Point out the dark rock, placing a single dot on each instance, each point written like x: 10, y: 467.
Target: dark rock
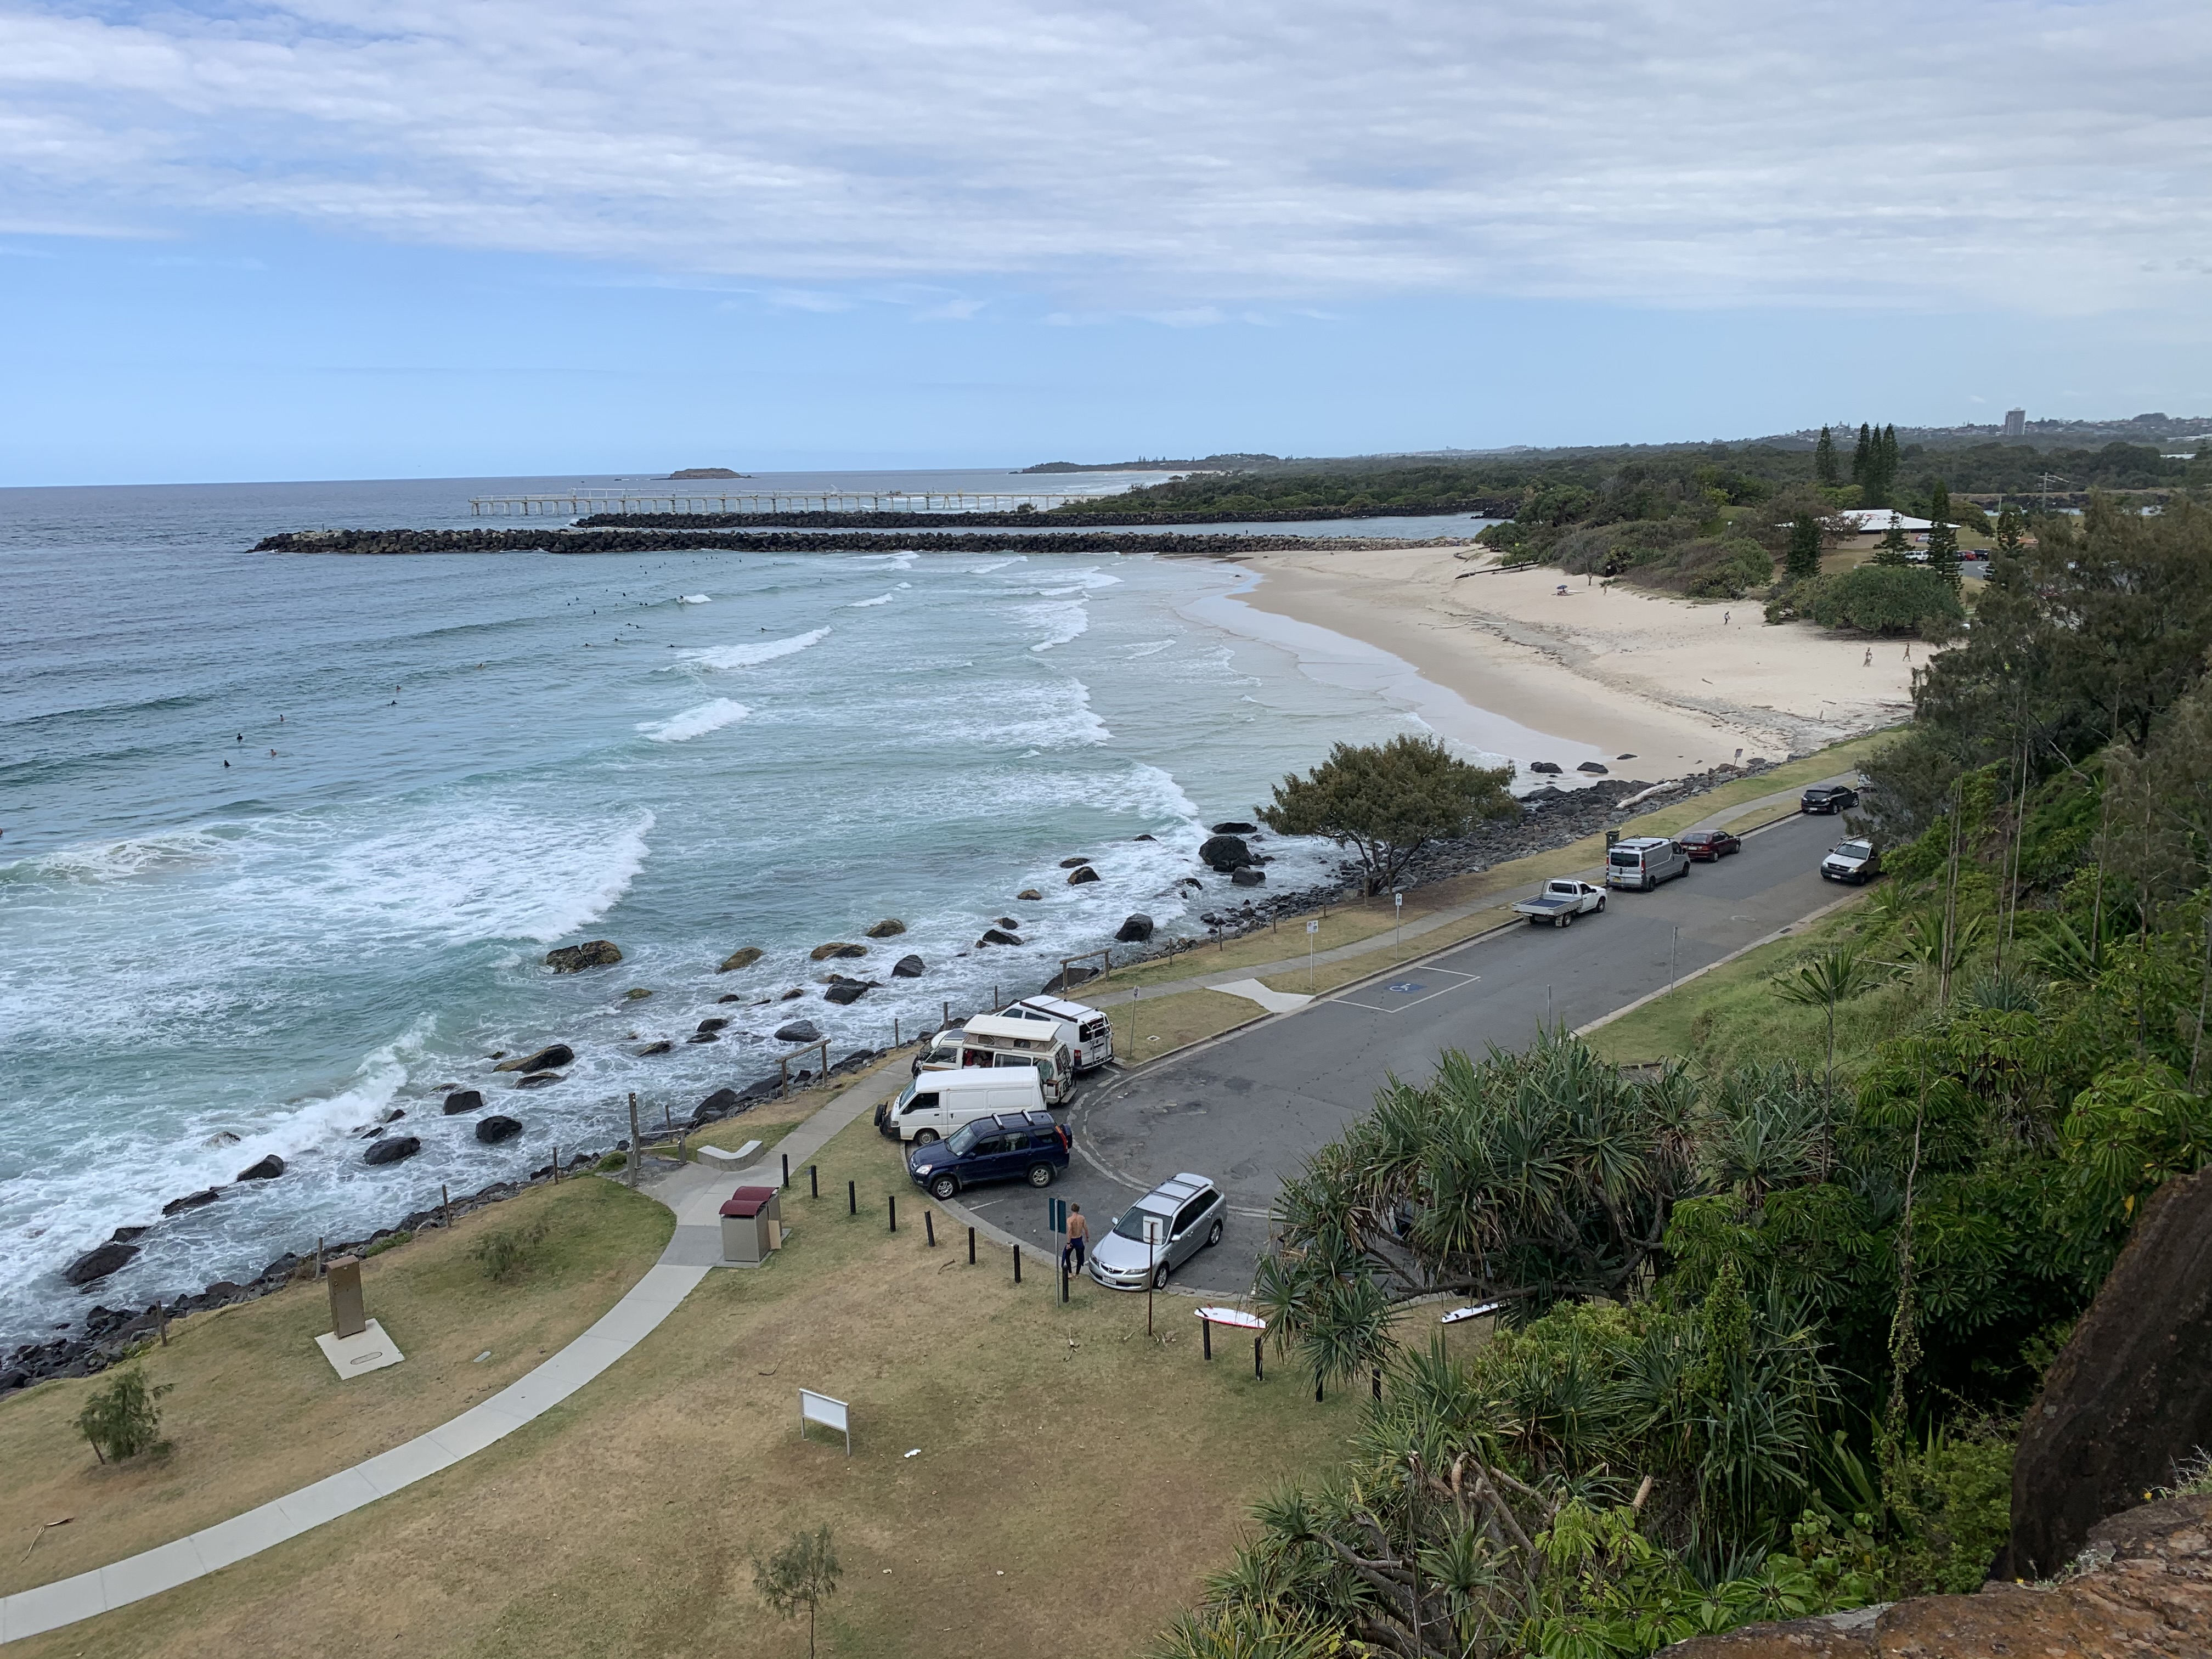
x: 2130, y: 1394
x: 1234, y: 829
x: 98, y: 1262
x: 464, y: 1100
x: 909, y: 968
x: 267, y: 1170
x: 221, y: 1292
x: 889, y: 927
x: 1595, y: 768
x: 1225, y: 854
x: 1030, y: 895
x: 281, y: 1269
x: 224, y: 1138
x: 660, y: 1048
x: 398, y: 1147
x: 844, y: 992
x: 837, y: 948
x: 1078, y: 877
x: 731, y: 996
x: 1247, y: 878
x: 1069, y: 978
x: 635, y: 994
x: 496, y: 1129
x: 793, y: 991
x: 1147, y: 835
x: 1544, y: 766
x: 704, y: 1037
x: 537, y: 1080
x: 575, y: 958
x: 1191, y: 881
x: 124, y: 1235
x: 191, y: 1202
x: 997, y: 936
x: 545, y: 1060
x: 1072, y: 864
x: 720, y: 1103
x: 713, y: 1023
x: 799, y: 1030
x: 1009, y: 921
x: 745, y: 958
x: 1135, y: 929
x: 1624, y: 757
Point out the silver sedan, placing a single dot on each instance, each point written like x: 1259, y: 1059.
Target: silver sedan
x: 1158, y: 1233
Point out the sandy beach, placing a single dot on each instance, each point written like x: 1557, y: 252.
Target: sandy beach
x: 1615, y: 671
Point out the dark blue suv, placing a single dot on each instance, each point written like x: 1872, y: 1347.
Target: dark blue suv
x: 1011, y: 1146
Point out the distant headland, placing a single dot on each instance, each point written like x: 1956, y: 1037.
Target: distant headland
x: 708, y: 472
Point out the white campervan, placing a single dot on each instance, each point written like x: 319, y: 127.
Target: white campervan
x: 994, y: 1040
x: 1086, y: 1031
x: 936, y: 1103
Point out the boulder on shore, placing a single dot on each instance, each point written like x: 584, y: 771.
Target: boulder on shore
x: 267, y: 1170
x: 997, y: 936
x: 1078, y: 877
x: 745, y: 958
x: 1069, y: 978
x: 1070, y: 864
x: 909, y: 967
x: 635, y: 994
x: 799, y: 1030
x: 1595, y: 768
x: 464, y: 1100
x: 1235, y: 828
x: 1225, y: 854
x: 537, y: 1079
x: 660, y: 1047
x: 713, y: 1023
x: 545, y: 1060
x: 1135, y: 929
x: 397, y: 1148
x: 889, y: 927
x: 496, y: 1129
x: 1029, y: 895
x: 575, y: 958
x: 836, y: 948
x: 1247, y: 878
x: 843, y: 991
x: 1544, y: 766
x: 2129, y: 1396
x: 98, y: 1261
x: 191, y: 1202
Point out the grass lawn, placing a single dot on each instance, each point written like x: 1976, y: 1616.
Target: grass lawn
x: 258, y: 1411
x: 1074, y: 1478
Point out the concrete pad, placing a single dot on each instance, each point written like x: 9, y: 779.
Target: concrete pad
x: 232, y: 1541
x: 52, y: 1606
x: 151, y: 1573
x: 327, y: 1499
x: 404, y: 1465
x: 371, y: 1351
x: 1275, y: 1002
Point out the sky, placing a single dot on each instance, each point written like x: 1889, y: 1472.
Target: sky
x: 328, y: 239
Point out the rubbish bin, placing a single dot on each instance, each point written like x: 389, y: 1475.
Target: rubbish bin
x: 751, y: 1228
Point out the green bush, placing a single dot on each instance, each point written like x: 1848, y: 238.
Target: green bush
x: 1876, y: 598
x: 124, y: 1418
x: 389, y: 1242
x: 507, y: 1256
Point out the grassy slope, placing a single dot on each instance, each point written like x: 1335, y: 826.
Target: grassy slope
x: 257, y: 1410
x: 1074, y: 1480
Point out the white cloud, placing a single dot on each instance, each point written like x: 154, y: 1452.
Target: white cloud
x: 1170, y: 160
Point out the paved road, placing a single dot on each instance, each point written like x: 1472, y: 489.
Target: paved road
x: 1248, y: 1109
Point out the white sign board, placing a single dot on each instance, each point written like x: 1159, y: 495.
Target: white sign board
x: 1313, y: 927
x: 830, y: 1414
x: 1475, y: 1312
x: 1154, y: 1231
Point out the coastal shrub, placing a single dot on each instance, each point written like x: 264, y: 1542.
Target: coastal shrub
x: 1386, y: 801
x: 1876, y: 599
x: 390, y: 1241
x: 507, y: 1255
x: 124, y: 1419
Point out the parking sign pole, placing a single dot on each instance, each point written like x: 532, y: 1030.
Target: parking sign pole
x: 1312, y: 927
x: 1398, y: 909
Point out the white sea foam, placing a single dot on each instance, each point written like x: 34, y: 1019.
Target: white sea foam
x: 997, y: 564
x: 862, y: 604
x: 904, y: 559
x: 695, y: 598
x: 695, y: 722
x: 1062, y: 622
x: 1149, y: 648
x: 752, y: 656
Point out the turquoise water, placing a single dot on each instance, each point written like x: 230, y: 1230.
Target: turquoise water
x: 440, y: 768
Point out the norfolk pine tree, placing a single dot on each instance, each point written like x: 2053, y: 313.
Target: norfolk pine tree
x: 1824, y: 460
x: 1942, y: 536
x: 798, y: 1577
x: 1802, y: 562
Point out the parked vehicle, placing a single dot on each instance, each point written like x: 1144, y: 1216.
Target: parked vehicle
x: 1158, y: 1233
x: 1828, y: 797
x: 1854, y: 861
x: 1560, y: 902
x: 1008, y: 1146
x: 989, y: 1040
x: 1086, y: 1031
x: 936, y: 1103
x: 1709, y: 846
x: 1645, y: 862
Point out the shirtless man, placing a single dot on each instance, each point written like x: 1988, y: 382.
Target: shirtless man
x: 1079, y: 1230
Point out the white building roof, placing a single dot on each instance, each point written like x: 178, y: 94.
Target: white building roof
x: 1871, y: 521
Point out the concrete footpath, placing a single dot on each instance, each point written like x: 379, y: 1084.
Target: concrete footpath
x: 692, y: 1192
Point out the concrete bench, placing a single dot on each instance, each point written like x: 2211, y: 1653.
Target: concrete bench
x: 727, y: 1160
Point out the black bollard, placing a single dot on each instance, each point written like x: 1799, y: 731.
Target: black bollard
x: 786, y: 1172
x: 814, y: 1179
x: 1063, y: 1278
x: 852, y: 1199
x: 971, y: 1247
x: 1258, y: 1375
x: 891, y: 1199
x: 929, y: 1227
x: 1205, y: 1329
x: 1017, y: 1264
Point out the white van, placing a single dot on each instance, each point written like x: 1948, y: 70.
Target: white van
x: 1085, y: 1030
x: 936, y: 1103
x: 989, y: 1040
x: 1645, y: 862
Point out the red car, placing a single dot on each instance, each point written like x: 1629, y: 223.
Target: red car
x: 1707, y: 845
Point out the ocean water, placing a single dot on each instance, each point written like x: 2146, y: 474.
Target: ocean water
x: 283, y: 840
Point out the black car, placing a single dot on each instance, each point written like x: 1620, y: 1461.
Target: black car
x: 1828, y: 797
x: 1011, y: 1146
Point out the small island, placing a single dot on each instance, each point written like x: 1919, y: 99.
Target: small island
x: 707, y: 472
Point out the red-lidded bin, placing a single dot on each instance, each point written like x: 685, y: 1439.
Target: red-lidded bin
x: 752, y: 1225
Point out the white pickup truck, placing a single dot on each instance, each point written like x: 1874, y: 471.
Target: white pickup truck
x: 1561, y: 901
